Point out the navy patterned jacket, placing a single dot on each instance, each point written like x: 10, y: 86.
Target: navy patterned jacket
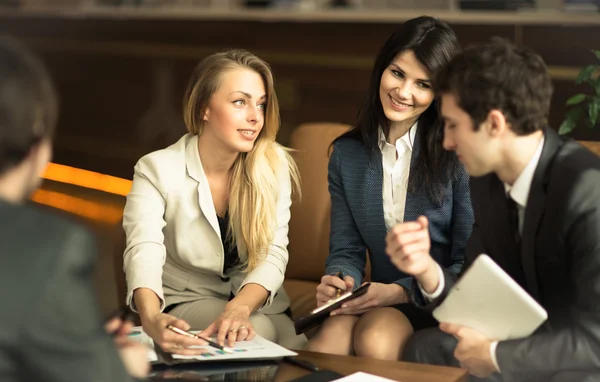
x: 357, y: 220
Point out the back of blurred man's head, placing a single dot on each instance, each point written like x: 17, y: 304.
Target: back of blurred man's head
x: 28, y: 114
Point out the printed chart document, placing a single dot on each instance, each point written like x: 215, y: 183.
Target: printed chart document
x: 257, y: 349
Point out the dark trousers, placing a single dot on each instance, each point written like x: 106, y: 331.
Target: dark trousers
x: 434, y: 347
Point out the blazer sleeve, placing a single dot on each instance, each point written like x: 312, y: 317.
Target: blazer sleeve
x: 271, y: 271
x: 462, y: 220
x: 545, y: 352
x: 347, y: 250
x: 474, y: 247
x: 143, y: 221
x: 461, y: 228
x: 63, y: 338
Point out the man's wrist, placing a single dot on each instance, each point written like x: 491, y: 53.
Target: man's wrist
x: 492, y: 353
x: 430, y: 279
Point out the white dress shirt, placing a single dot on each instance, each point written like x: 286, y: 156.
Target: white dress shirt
x: 396, y: 169
x: 519, y: 192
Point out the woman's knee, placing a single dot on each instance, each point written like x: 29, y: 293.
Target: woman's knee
x: 334, y: 335
x: 290, y: 340
x: 199, y: 314
x: 264, y: 327
x: 286, y: 332
x: 382, y: 333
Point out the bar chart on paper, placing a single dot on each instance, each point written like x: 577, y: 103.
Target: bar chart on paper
x: 256, y: 349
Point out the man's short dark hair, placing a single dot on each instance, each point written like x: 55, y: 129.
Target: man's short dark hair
x: 28, y: 102
x: 499, y: 75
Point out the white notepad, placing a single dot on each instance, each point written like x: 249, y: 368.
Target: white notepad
x: 363, y: 377
x: 487, y: 299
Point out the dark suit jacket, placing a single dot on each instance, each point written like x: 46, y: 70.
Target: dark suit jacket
x: 560, y: 257
x: 51, y: 329
x: 358, y: 223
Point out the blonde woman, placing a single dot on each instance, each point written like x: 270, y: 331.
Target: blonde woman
x: 207, y: 218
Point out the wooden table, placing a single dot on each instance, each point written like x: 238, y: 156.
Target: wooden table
x: 398, y: 371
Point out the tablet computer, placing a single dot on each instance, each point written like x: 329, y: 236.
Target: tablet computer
x: 487, y: 299
x: 319, y: 314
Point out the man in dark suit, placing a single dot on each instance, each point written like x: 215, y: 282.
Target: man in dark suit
x: 536, y: 199
x: 51, y: 329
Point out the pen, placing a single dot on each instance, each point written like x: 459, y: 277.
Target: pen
x: 192, y: 335
x: 124, y: 314
x: 339, y: 291
x: 301, y: 363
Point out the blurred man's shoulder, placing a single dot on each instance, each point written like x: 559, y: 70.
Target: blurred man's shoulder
x: 31, y: 222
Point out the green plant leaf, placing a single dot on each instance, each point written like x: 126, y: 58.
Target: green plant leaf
x: 571, y: 118
x: 577, y: 98
x: 593, y: 110
x: 575, y: 113
x: 586, y: 74
x: 566, y: 127
x: 597, y: 53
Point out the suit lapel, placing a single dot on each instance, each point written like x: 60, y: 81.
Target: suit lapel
x: 411, y: 208
x: 535, y: 210
x: 196, y: 172
x: 501, y: 229
x: 373, y: 196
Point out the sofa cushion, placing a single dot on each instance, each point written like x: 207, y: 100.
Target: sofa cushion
x: 309, y: 224
x: 302, y: 298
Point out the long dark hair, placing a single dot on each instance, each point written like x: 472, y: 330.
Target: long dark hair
x: 434, y: 43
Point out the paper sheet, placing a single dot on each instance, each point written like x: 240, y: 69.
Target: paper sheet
x: 364, y: 377
x: 138, y: 335
x: 258, y: 348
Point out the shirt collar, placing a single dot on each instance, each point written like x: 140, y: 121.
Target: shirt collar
x: 409, y: 138
x: 519, y: 191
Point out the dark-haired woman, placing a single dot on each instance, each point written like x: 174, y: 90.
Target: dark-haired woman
x: 389, y: 169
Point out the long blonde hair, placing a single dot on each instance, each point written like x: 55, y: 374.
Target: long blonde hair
x: 255, y: 183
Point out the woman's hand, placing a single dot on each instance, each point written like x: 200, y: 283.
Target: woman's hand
x: 377, y: 295
x: 233, y: 325
x: 329, y: 286
x: 156, y: 327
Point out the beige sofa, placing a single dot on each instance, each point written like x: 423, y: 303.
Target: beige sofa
x: 309, y: 224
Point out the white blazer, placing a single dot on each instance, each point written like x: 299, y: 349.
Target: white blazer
x: 174, y: 244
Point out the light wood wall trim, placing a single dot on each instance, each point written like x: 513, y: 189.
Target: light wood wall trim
x: 535, y: 17
x: 197, y: 52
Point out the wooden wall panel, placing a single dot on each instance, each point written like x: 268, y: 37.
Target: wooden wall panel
x: 122, y: 81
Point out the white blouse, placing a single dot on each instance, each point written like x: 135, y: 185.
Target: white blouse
x: 396, y: 169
